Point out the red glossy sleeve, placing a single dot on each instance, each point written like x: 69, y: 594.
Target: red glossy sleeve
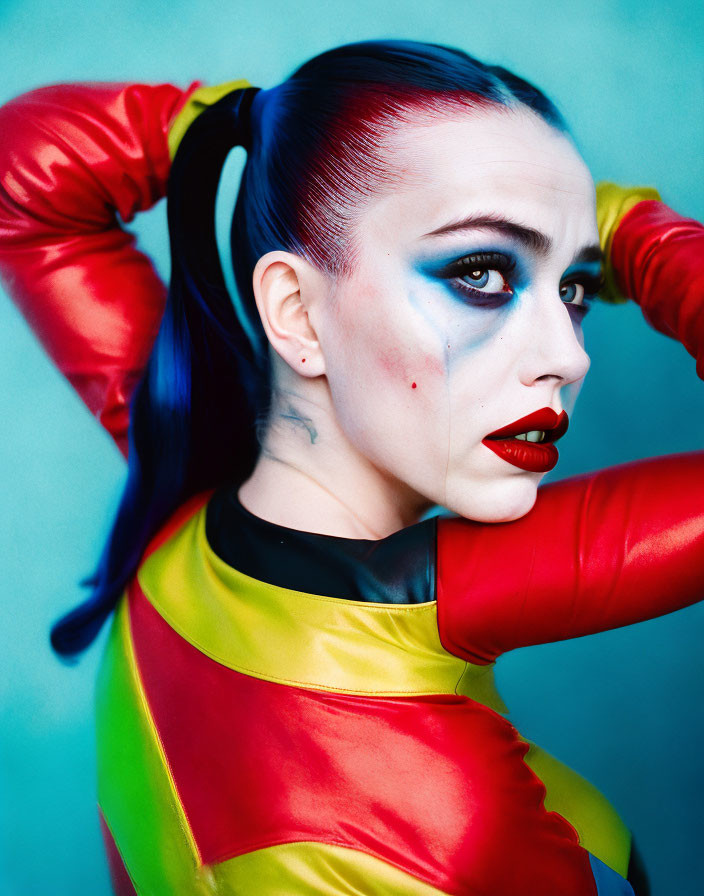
x: 74, y: 160
x: 658, y: 260
x: 605, y: 549
x: 596, y: 552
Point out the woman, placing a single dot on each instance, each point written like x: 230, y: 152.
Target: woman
x: 297, y: 696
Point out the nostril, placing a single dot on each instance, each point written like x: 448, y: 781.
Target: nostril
x: 548, y: 376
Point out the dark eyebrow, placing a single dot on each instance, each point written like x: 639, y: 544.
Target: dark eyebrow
x: 589, y: 254
x: 536, y: 240
x: 539, y: 243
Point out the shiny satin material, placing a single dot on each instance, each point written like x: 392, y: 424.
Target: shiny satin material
x: 608, y: 883
x: 246, y: 763
x: 73, y: 158
x: 135, y: 788
x: 198, y: 101
x: 399, y: 569
x: 613, y: 202
x: 435, y: 785
x: 184, y: 539
x: 599, y: 827
x: 658, y: 255
x: 302, y: 869
x: 596, y: 552
x: 121, y: 881
x: 311, y: 640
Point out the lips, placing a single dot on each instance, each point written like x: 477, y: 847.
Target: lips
x: 535, y: 457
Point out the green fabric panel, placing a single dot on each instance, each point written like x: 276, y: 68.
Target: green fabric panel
x: 135, y: 792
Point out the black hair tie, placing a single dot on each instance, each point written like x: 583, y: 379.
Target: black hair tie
x: 242, y: 107
x: 220, y: 127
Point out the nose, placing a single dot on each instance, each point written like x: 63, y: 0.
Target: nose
x: 554, y: 349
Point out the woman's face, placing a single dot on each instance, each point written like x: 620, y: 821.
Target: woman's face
x: 464, y: 310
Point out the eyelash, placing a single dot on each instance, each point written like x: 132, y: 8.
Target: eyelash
x: 506, y: 267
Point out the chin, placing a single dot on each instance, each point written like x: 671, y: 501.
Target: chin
x: 495, y: 501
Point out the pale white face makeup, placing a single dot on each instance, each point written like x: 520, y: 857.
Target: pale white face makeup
x: 443, y: 334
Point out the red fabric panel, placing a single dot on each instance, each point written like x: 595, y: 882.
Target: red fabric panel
x: 658, y: 259
x: 596, y: 552
x: 435, y: 785
x: 121, y: 882
x: 73, y: 157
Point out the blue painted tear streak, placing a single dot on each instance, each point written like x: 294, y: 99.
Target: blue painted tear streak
x: 608, y: 881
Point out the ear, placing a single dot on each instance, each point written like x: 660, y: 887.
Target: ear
x: 288, y: 290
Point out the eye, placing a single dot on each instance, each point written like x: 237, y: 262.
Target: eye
x: 487, y: 279
x: 580, y: 288
x: 482, y: 279
x: 572, y: 293
x: 579, y: 294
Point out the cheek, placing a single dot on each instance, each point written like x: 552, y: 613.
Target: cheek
x: 388, y: 380
x: 385, y: 344
x: 456, y: 332
x: 405, y: 366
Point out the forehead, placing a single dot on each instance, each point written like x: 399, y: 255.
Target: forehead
x: 495, y: 160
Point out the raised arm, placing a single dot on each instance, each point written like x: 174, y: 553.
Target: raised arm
x: 73, y: 158
x: 658, y: 260
x: 608, y: 548
x: 596, y: 552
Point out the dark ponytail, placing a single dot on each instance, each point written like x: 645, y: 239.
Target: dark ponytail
x: 192, y: 416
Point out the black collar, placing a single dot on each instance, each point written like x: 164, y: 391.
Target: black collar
x: 398, y: 569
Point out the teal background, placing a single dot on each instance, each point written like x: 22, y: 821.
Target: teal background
x: 624, y: 708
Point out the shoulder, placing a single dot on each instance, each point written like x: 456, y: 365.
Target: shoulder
x: 184, y: 514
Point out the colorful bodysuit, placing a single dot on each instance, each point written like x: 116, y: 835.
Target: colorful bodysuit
x: 277, y: 714
x: 287, y: 713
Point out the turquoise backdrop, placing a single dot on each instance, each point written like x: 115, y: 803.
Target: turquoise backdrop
x: 623, y: 708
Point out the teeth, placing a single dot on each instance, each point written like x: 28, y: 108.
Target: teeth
x: 535, y: 435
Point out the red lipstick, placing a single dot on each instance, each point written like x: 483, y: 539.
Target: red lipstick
x: 536, y: 457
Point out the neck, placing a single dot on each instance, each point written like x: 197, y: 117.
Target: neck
x: 309, y: 476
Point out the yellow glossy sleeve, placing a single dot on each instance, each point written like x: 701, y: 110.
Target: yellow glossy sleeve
x: 613, y: 202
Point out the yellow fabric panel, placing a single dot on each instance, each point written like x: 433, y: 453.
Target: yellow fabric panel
x: 135, y: 790
x: 612, y: 203
x: 601, y: 830
x: 296, y: 638
x: 478, y: 683
x: 199, y: 100
x: 311, y: 869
